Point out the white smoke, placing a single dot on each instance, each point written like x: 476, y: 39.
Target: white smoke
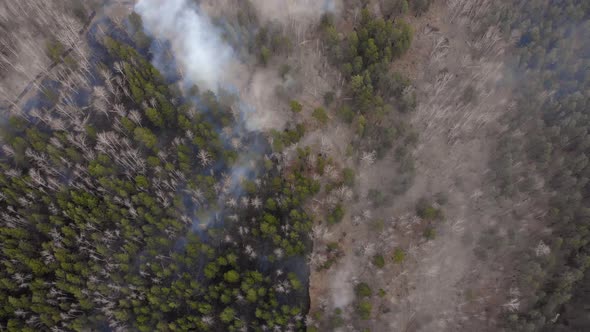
x: 196, y: 42
x: 205, y: 59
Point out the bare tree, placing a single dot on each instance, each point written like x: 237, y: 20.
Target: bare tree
x: 205, y: 158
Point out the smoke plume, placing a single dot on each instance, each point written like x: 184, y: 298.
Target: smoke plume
x: 196, y: 42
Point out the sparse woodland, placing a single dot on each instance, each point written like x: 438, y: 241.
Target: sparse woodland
x: 377, y: 101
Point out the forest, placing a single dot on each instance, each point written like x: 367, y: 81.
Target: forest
x: 129, y: 204
x: 294, y: 166
x: 124, y: 208
x: 552, y: 57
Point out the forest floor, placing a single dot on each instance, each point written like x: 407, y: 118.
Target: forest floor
x: 463, y: 90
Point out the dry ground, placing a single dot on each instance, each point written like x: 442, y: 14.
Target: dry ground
x: 463, y: 90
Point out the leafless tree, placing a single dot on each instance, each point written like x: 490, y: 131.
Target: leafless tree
x: 205, y: 158
x: 135, y: 116
x: 368, y: 158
